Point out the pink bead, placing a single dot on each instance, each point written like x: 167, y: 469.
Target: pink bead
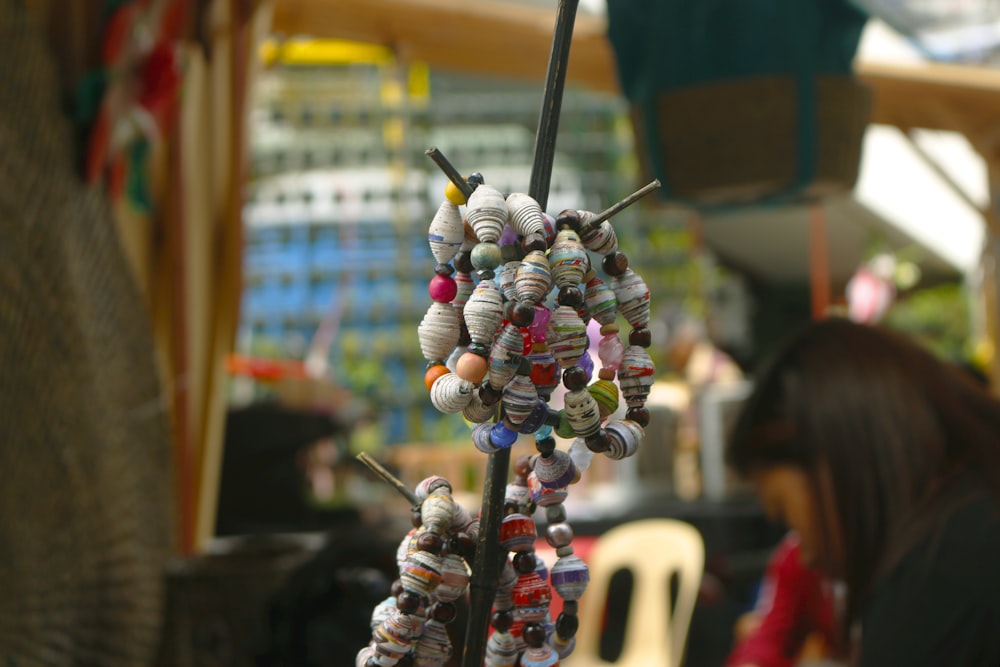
x: 611, y: 351
x: 442, y: 288
x: 540, y: 324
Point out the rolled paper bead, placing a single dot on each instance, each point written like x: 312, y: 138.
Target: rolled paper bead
x: 531, y: 597
x: 582, y: 412
x: 462, y: 521
x: 611, y: 351
x: 446, y: 232
x: 464, y: 286
x: 434, y: 647
x: 520, y: 399
x: 429, y: 485
x: 478, y: 412
x: 508, y: 575
x: 544, y: 370
x: 525, y: 214
x: 395, y: 636
x: 436, y: 510
x: 536, y: 418
x: 481, y: 439
x: 549, y: 223
x: 501, y: 650
x: 501, y: 436
x: 555, y: 471
x: 544, y: 496
x: 471, y: 367
x: 567, y: 336
x: 484, y: 312
x: 517, y: 532
x: 541, y: 569
x: 454, y: 578
x: 382, y: 611
x: 404, y: 548
x: 636, y: 376
x: 567, y: 259
x: 633, y: 298
x: 433, y: 373
x: 505, y: 357
x: 570, y: 576
x: 539, y: 327
x: 605, y: 393
x: 438, y: 331
x: 450, y: 393
x: 601, y: 239
x: 486, y: 256
x: 625, y: 438
x: 366, y: 656
x: 518, y: 494
x: 602, y: 304
x: 442, y: 288
x: 540, y: 656
x: 486, y: 212
x: 421, y: 572
x: 508, y: 279
x: 581, y: 455
x: 534, y: 279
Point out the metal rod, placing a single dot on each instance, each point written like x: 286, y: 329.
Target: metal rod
x: 388, y: 478
x: 548, y: 120
x: 449, y: 170
x: 615, y: 209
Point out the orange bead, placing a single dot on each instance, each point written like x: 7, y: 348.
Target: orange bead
x: 471, y: 367
x: 433, y: 373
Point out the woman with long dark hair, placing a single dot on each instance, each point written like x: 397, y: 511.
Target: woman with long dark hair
x: 886, y: 462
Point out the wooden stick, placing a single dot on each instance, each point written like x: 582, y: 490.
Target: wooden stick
x: 449, y: 170
x: 615, y: 209
x: 388, y: 478
x: 548, y: 120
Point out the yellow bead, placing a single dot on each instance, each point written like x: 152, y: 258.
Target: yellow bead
x: 453, y: 194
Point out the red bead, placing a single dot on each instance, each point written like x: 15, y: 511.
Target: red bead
x: 442, y: 288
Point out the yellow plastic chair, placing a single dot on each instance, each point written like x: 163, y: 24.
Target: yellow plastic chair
x: 653, y: 550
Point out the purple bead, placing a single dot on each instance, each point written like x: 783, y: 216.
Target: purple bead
x: 539, y: 326
x: 442, y: 288
x: 508, y: 236
x: 587, y: 364
x: 570, y: 576
x: 536, y: 419
x: 556, y: 471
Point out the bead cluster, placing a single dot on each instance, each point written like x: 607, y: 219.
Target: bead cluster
x: 496, y: 351
x: 410, y: 626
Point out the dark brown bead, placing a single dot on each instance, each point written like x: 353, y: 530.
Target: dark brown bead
x: 408, y: 660
x: 524, y: 367
x: 567, y: 625
x: 521, y: 314
x: 430, y: 542
x: 570, y: 295
x: 396, y: 588
x: 524, y: 562
x: 475, y: 179
x: 534, y: 241
x: 408, y: 602
x: 598, y: 442
x: 489, y: 395
x: 511, y: 507
x: 569, y: 218
x: 555, y: 514
x: 533, y: 634
x: 463, y: 261
x: 480, y: 350
x: 615, y: 264
x: 571, y: 607
x: 510, y: 253
x: 575, y: 378
x: 485, y: 274
x: 503, y: 620
x: 640, y: 336
x: 444, y: 612
x: 545, y: 446
x: 639, y: 415
x: 444, y: 270
x: 416, y: 519
x: 463, y: 545
x: 522, y: 466
x: 463, y: 336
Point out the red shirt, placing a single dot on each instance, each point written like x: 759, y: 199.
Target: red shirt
x: 794, y: 603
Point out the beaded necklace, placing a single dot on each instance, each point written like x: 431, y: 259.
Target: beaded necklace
x: 495, y: 350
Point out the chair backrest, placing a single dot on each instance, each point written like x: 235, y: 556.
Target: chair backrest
x: 653, y: 551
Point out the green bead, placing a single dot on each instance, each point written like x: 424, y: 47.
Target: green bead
x: 486, y: 256
x: 605, y: 393
x: 564, y: 430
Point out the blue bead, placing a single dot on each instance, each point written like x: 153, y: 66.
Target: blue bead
x: 544, y: 431
x: 501, y: 436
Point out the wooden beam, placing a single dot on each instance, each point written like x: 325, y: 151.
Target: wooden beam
x: 482, y: 37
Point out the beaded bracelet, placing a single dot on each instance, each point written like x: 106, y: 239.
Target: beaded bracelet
x: 514, y: 349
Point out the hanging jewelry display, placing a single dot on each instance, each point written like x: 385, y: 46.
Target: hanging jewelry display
x: 512, y: 292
